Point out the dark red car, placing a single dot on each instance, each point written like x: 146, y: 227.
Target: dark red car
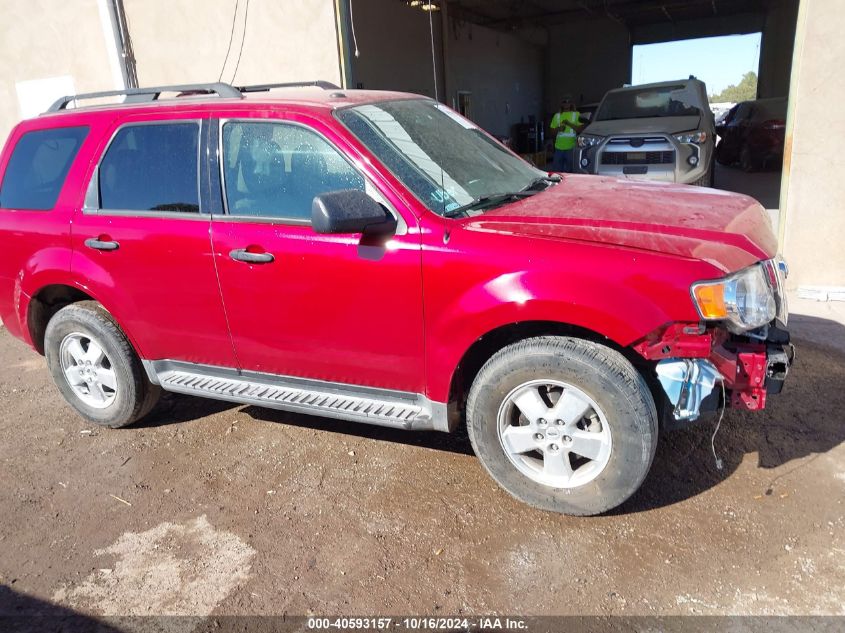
x: 375, y: 257
x: 752, y: 134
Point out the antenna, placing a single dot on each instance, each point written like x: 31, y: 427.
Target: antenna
x: 433, y: 57
x: 352, y: 23
x: 434, y: 74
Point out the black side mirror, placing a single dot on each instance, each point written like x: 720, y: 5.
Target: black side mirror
x: 350, y: 211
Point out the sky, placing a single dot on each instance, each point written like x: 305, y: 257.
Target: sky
x: 717, y: 61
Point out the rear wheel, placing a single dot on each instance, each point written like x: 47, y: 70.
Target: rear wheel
x: 721, y: 154
x: 563, y: 424
x: 95, y: 367
x: 747, y: 162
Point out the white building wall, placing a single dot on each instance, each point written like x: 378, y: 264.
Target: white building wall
x: 185, y: 41
x: 813, y: 228
x: 47, y: 48
x: 503, y: 73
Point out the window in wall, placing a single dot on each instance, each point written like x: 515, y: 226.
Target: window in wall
x: 38, y: 167
x: 151, y: 168
x: 276, y: 169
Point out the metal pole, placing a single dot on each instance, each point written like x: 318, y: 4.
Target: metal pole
x: 120, y: 29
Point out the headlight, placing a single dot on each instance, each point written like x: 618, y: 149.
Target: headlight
x: 745, y: 299
x: 586, y: 141
x: 696, y: 138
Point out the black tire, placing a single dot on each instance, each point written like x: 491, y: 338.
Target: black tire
x: 134, y: 396
x: 721, y: 155
x: 704, y: 181
x: 747, y: 162
x: 605, y: 376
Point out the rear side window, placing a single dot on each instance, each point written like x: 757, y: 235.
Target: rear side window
x: 151, y: 168
x: 38, y: 167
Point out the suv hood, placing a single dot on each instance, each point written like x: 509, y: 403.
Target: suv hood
x: 652, y: 125
x: 728, y: 230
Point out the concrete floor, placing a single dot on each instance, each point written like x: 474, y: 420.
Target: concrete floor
x: 208, y: 508
x: 764, y: 186
x: 822, y: 322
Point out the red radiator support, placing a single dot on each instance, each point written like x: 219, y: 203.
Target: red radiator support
x: 745, y: 374
x: 743, y: 366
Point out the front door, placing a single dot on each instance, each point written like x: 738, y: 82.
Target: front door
x: 142, y: 243
x: 324, y: 307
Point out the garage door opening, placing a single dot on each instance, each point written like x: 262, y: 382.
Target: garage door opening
x: 508, y: 65
x: 720, y: 62
x: 750, y: 131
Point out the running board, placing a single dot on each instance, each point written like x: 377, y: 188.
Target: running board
x: 397, y: 409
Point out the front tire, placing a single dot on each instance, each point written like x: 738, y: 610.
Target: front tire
x: 95, y: 367
x: 563, y: 424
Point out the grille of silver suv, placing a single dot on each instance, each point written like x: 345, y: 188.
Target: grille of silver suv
x: 638, y: 158
x: 637, y: 150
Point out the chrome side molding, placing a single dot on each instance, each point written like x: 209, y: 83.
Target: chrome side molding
x: 382, y: 407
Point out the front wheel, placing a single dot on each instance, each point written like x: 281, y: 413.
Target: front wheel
x: 563, y: 424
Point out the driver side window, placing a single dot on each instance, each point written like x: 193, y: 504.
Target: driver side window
x: 274, y: 170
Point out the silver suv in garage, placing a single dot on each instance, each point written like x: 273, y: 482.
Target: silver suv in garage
x: 661, y: 131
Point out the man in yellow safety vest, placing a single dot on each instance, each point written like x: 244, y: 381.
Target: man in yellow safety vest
x: 567, y: 125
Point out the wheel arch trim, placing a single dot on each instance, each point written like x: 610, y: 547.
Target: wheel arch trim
x: 26, y: 310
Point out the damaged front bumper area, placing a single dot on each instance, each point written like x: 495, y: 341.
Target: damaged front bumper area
x: 687, y: 383
x: 691, y: 362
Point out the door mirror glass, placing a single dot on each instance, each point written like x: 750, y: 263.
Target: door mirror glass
x: 350, y: 211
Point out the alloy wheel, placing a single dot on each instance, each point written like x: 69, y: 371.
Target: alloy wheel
x: 554, y: 433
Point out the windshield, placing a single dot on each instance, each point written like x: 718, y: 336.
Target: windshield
x: 443, y: 158
x: 647, y: 103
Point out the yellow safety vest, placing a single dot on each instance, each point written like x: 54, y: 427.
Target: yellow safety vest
x: 565, y: 138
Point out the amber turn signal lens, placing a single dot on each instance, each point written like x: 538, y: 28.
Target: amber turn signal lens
x: 711, y: 300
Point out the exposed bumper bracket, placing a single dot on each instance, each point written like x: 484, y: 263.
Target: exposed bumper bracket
x: 687, y: 382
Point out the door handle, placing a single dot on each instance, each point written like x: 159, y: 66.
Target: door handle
x: 101, y: 245
x: 243, y: 255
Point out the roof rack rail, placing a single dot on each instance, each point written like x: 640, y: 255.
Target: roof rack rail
x: 150, y: 94
x: 325, y: 85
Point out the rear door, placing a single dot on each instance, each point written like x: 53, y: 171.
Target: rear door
x: 326, y: 307
x: 142, y: 239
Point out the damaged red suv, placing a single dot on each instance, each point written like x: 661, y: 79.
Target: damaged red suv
x: 377, y: 258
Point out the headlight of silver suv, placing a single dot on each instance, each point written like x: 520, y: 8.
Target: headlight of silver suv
x: 695, y: 138
x: 588, y: 140
x: 744, y: 300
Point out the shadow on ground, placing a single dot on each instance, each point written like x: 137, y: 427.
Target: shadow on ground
x: 796, y: 424
x: 20, y: 613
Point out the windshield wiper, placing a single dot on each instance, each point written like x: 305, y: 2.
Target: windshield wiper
x: 487, y: 202
x: 542, y: 180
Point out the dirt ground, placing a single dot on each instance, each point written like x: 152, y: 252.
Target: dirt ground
x: 209, y: 508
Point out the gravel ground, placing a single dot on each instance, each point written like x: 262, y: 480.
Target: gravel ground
x: 209, y: 508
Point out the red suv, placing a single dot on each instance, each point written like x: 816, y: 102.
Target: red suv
x: 376, y: 257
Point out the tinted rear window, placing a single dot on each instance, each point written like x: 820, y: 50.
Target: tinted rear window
x: 38, y: 167
x: 151, y: 168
